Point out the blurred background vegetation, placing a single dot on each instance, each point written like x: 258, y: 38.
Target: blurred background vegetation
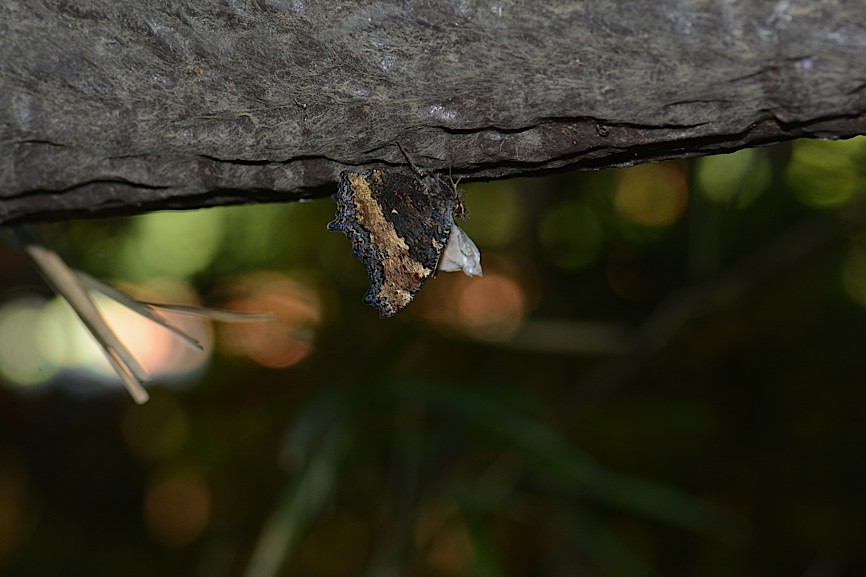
x: 662, y: 372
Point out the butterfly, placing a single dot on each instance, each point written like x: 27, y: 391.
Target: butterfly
x: 399, y: 225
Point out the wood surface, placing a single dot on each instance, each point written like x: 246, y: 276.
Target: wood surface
x: 120, y: 106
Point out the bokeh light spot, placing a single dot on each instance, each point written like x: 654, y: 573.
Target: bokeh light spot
x: 177, y: 508
x: 735, y: 179
x: 163, y: 354
x: 283, y: 341
x: 571, y: 235
x: 490, y: 308
x: 500, y: 198
x: 651, y: 195
x: 825, y: 175
x: 63, y: 340
x: 20, y: 360
x: 174, y: 244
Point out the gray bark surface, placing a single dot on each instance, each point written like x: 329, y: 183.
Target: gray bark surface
x: 120, y: 106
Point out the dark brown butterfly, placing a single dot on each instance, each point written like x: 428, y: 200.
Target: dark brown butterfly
x: 398, y: 224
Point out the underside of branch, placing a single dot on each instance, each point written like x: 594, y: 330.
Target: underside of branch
x: 124, y: 106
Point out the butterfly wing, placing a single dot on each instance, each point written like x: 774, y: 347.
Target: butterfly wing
x: 398, y: 226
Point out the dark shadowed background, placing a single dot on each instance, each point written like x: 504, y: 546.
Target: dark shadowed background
x: 662, y: 372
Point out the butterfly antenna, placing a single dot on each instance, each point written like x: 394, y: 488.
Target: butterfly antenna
x: 455, y: 184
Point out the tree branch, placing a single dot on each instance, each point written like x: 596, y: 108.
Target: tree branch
x: 123, y: 106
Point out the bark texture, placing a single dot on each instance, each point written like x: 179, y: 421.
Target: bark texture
x: 119, y: 106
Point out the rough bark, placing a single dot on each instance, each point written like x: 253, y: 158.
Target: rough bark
x: 119, y: 106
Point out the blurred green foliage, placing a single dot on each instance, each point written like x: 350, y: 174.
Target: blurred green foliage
x: 661, y: 373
